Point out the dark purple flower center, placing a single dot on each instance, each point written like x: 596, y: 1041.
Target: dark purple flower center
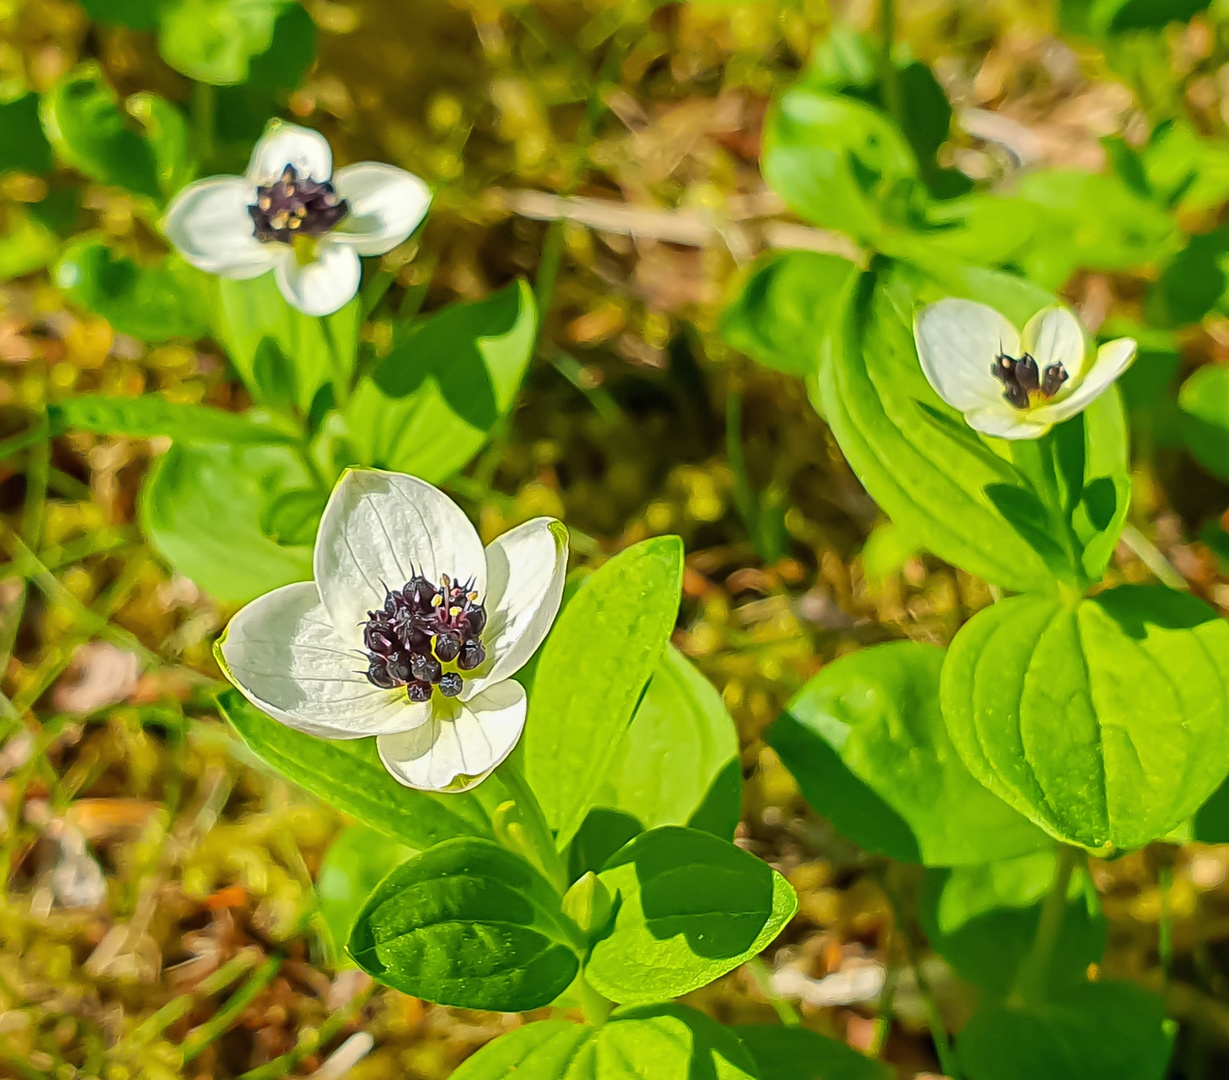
x: 294, y: 206
x: 420, y: 629
x: 1021, y: 378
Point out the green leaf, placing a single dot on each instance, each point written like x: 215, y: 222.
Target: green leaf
x: 23, y: 146
x: 774, y: 317
x: 1106, y: 17
x: 151, y: 415
x: 1098, y: 1031
x: 26, y: 244
x: 353, y: 866
x: 1204, y: 399
x: 1093, y: 221
x: 83, y: 121
x: 1193, y: 283
x: 283, y: 356
x: 202, y: 505
x: 928, y: 470
x: 470, y: 924
x: 590, y: 675
x: 688, y: 908
x: 151, y: 303
x: 214, y: 41
x: 1211, y: 823
x: 983, y: 920
x: 432, y: 401
x: 169, y: 138
x: 866, y: 742
x: 1104, y: 721
x: 134, y: 14
x: 661, y: 1042
x: 839, y: 163
x: 348, y: 774
x: 794, y: 1053
x: 678, y: 759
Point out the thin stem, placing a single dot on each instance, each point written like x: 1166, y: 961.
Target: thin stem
x: 204, y: 105
x: 1146, y: 552
x: 1035, y: 971
x: 200, y: 1037
x: 280, y: 1066
x: 763, y: 981
x: 1165, y: 928
x: 548, y: 274
x: 934, y: 1016
x: 533, y: 821
x: 887, y: 996
x: 887, y: 68
x: 341, y: 378
x: 596, y: 1008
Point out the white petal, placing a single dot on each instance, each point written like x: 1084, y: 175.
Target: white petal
x: 377, y: 530
x: 289, y: 144
x: 209, y: 223
x: 282, y: 652
x: 461, y: 743
x: 322, y: 286
x: 1112, y: 359
x: 525, y: 571
x: 1006, y: 422
x: 385, y: 206
x: 1054, y: 336
x: 957, y: 341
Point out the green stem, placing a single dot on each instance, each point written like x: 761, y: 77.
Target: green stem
x: 596, y: 1008
x: 200, y: 1037
x: 883, y: 1014
x: 1035, y: 972
x: 548, y: 274
x: 1146, y: 552
x: 341, y: 378
x: 763, y: 981
x: 934, y: 1016
x: 280, y: 1066
x: 204, y: 106
x: 1165, y: 929
x: 533, y: 821
x: 887, y: 68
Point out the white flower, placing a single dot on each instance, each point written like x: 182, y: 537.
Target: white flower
x: 410, y: 632
x: 292, y: 214
x: 1009, y: 384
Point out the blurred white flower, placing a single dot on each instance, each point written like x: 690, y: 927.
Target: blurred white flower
x: 1012, y: 384
x: 410, y: 632
x: 292, y: 214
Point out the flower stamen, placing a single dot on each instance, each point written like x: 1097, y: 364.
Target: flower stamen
x: 295, y: 206
x: 1023, y: 381
x: 419, y: 629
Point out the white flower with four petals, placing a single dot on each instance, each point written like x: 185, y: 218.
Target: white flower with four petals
x: 1012, y: 384
x: 410, y: 632
x: 293, y: 215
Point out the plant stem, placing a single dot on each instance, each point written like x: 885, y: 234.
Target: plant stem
x: 1146, y: 552
x: 200, y: 1037
x: 537, y: 831
x: 763, y: 981
x: 1035, y: 972
x: 1165, y: 928
x: 204, y: 105
x: 944, y: 1050
x: 887, y: 68
x: 595, y: 1007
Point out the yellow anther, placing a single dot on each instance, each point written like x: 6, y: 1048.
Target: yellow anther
x: 454, y: 611
x: 295, y: 223
x: 436, y: 601
x: 265, y: 202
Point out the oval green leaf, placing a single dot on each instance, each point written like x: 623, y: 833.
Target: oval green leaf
x: 838, y: 162
x: 1098, y: 1031
x: 865, y: 740
x: 348, y: 774
x: 688, y: 908
x: 1106, y: 722
x: 432, y: 401
x: 663, y: 1042
x: 794, y: 1053
x: 983, y: 920
x: 470, y: 924
x: 591, y: 673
